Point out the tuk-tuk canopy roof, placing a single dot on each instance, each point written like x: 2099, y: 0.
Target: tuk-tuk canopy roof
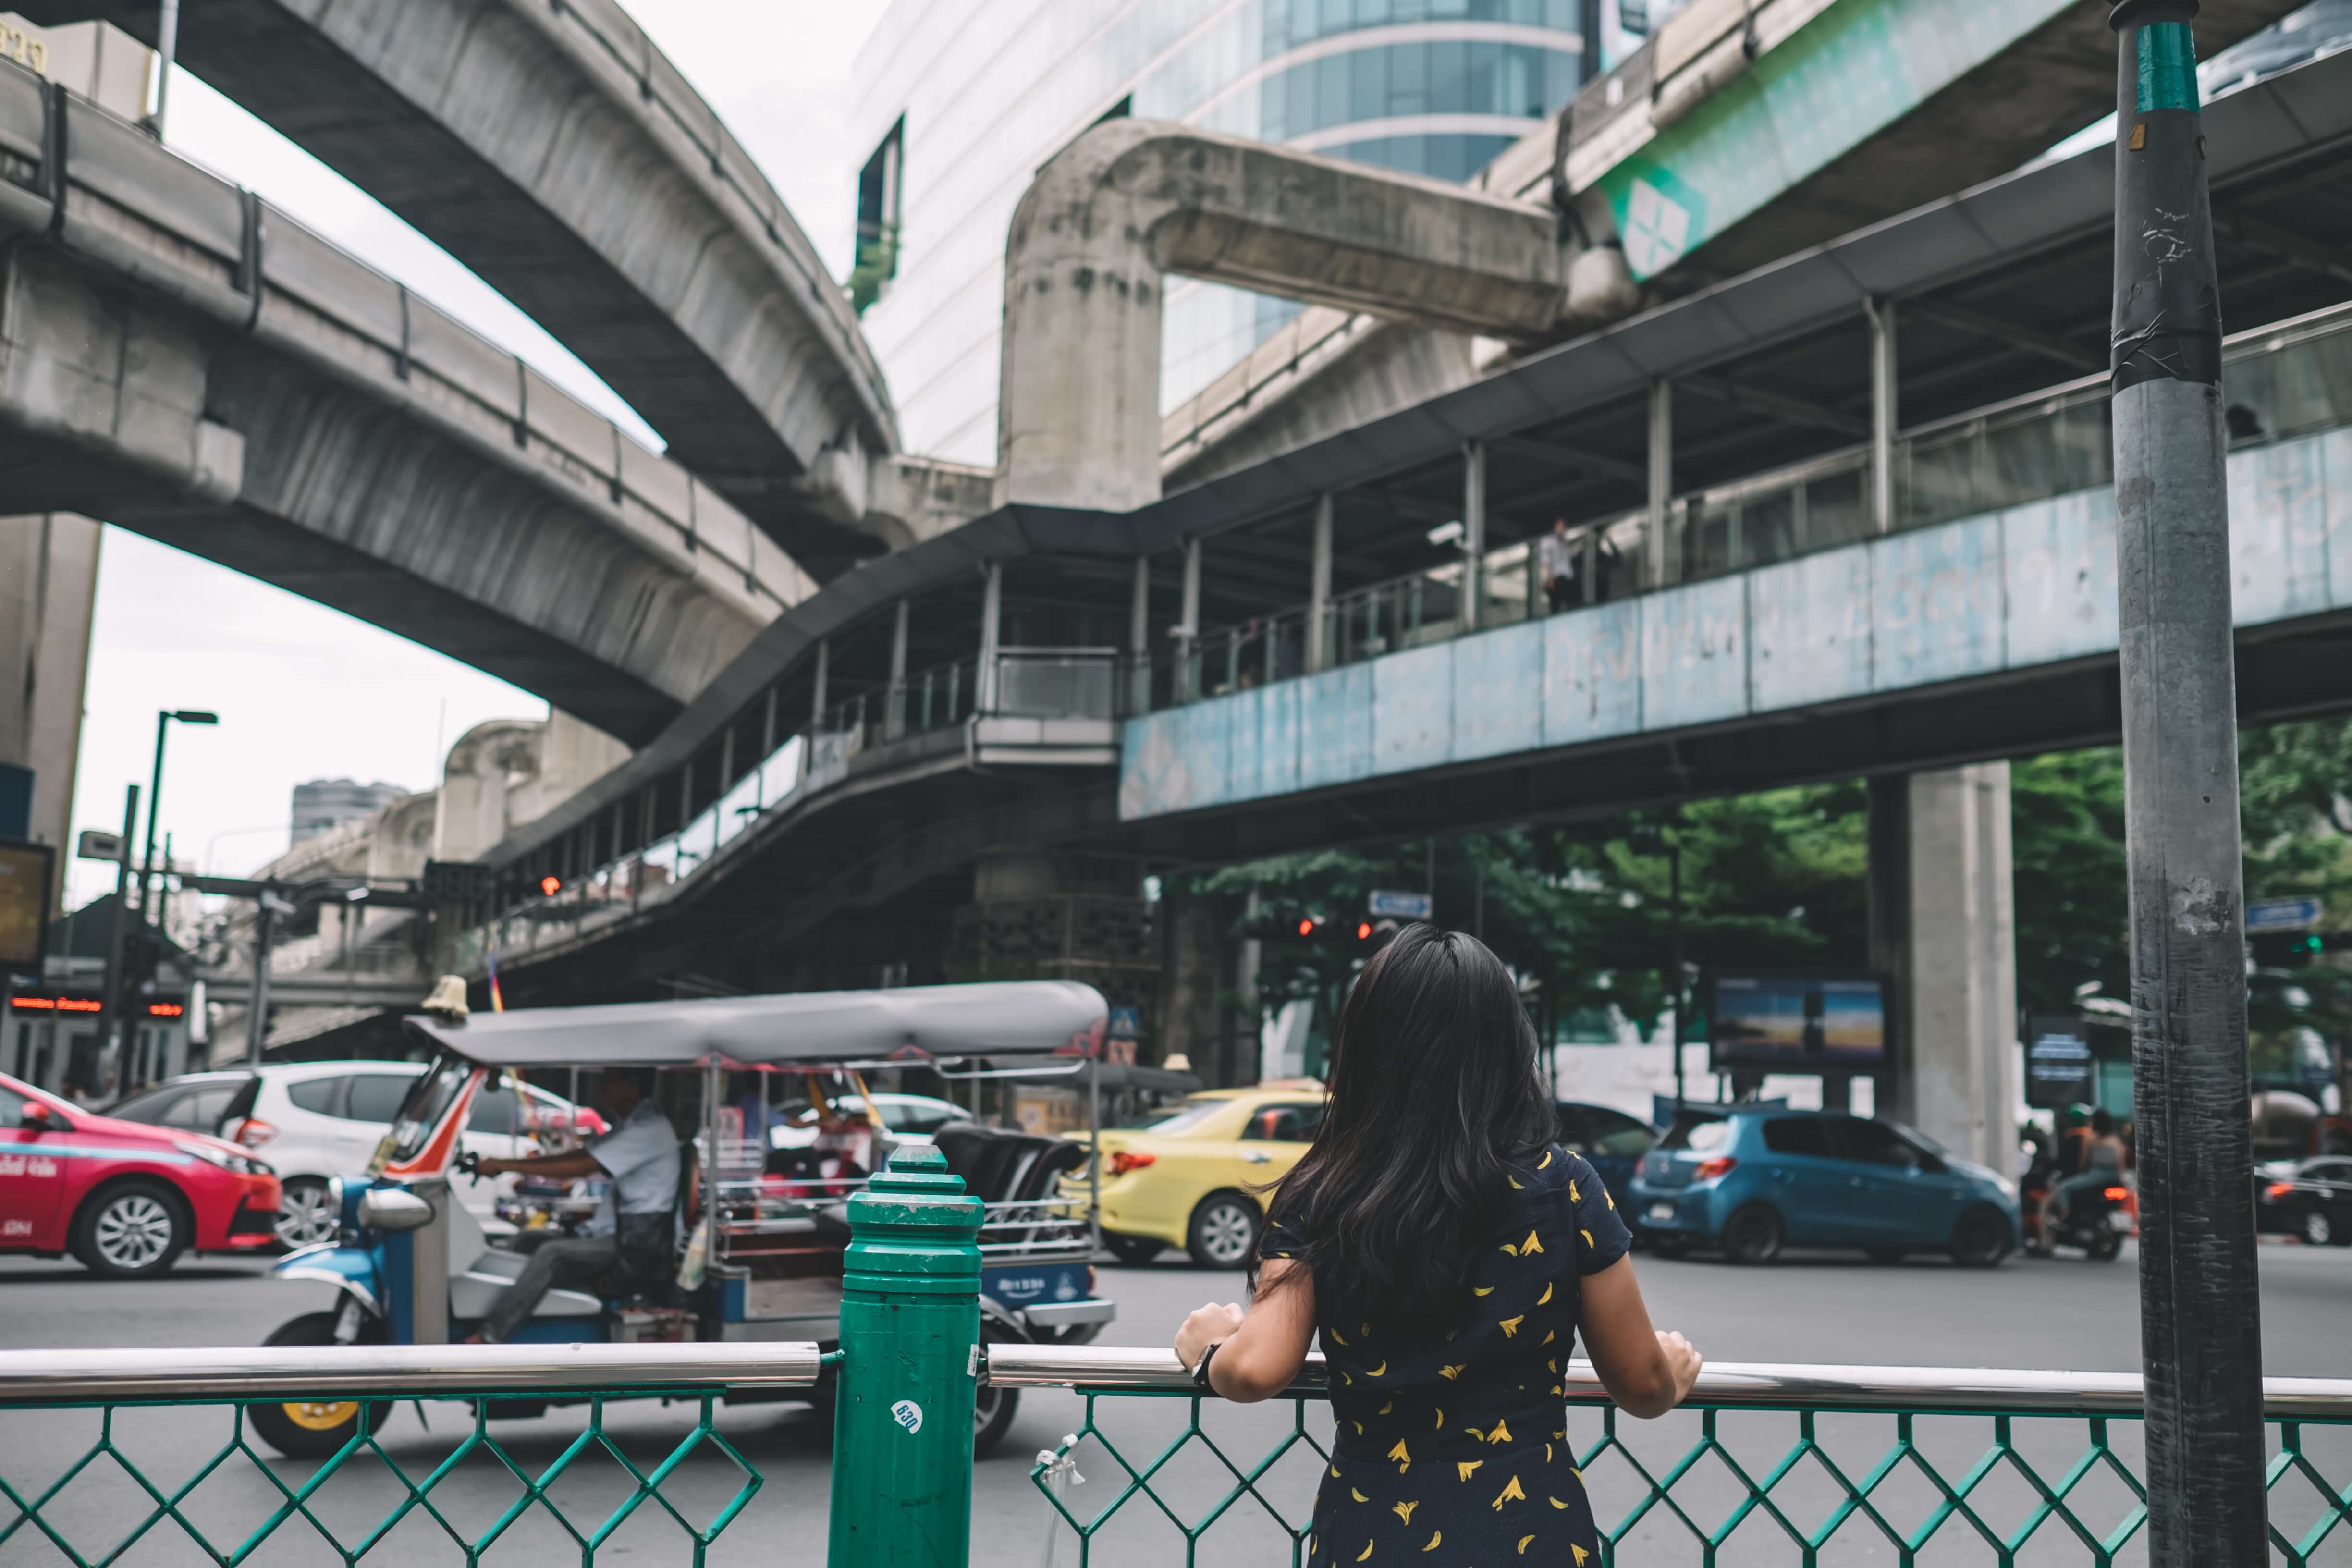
x: 812, y: 1028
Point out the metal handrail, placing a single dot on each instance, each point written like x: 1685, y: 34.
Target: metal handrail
x: 1771, y: 1386
x: 282, y: 1372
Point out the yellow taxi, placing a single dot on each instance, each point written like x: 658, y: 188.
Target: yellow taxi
x: 1196, y: 1176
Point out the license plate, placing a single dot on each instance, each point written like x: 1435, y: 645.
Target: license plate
x: 2119, y: 1220
x: 1662, y: 1211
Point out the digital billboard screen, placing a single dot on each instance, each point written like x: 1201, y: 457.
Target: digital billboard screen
x: 1796, y: 1023
x: 25, y: 871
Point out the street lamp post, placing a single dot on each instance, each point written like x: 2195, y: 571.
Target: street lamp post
x: 156, y: 792
x: 2201, y: 1324
x: 111, y: 1034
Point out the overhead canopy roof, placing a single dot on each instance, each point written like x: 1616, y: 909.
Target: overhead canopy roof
x: 1003, y: 1018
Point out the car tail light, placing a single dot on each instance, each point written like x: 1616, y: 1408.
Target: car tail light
x: 1720, y: 1165
x: 1121, y: 1162
x: 2118, y: 1195
x: 2277, y: 1189
x: 252, y: 1133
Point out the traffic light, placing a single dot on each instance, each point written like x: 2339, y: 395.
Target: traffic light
x: 1360, y: 937
x: 2295, y: 949
x: 551, y: 885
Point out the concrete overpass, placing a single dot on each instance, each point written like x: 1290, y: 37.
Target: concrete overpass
x: 185, y: 361
x: 553, y: 150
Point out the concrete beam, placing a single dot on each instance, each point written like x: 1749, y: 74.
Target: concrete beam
x: 180, y: 360
x: 1133, y: 200
x: 553, y: 150
x: 1846, y: 115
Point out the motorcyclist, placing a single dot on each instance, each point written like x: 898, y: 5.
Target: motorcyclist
x: 634, y: 1230
x: 2091, y: 1158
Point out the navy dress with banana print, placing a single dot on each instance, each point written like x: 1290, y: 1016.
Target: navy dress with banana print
x: 1453, y: 1451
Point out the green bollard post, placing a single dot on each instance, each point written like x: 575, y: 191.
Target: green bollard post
x: 909, y: 1345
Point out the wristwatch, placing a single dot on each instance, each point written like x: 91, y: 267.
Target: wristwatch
x: 1200, y: 1367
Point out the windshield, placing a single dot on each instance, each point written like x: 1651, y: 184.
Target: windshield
x: 1696, y: 1129
x: 422, y: 1111
x: 1189, y: 1115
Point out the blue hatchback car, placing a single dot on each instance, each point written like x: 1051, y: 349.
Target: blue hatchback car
x: 1752, y: 1179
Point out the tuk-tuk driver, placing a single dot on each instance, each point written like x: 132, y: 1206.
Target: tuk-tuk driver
x: 632, y: 1231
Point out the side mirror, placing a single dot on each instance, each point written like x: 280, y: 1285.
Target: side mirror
x: 395, y: 1209
x: 37, y: 1117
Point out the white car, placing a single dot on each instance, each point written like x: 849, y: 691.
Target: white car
x: 316, y: 1120
x: 908, y: 1118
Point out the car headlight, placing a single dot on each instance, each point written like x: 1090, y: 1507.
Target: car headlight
x: 241, y: 1164
x: 2008, y: 1187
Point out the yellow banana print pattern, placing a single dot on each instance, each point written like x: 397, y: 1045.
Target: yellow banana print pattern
x: 1514, y: 1498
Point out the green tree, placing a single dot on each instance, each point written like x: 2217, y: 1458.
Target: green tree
x: 1779, y: 877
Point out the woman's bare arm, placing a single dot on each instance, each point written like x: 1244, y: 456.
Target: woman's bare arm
x: 1257, y: 1356
x: 1645, y: 1371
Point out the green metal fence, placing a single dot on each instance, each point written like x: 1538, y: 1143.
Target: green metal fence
x: 153, y: 1456
x: 1765, y: 1465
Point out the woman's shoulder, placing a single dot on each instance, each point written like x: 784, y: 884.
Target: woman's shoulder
x: 1551, y: 1168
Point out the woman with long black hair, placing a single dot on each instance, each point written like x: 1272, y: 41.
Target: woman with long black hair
x: 1448, y: 1253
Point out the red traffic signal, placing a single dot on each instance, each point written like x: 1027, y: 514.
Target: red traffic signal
x: 1363, y: 930
x: 551, y: 885
x: 1306, y: 928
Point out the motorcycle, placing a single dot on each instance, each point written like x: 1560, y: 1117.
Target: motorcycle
x: 2094, y: 1222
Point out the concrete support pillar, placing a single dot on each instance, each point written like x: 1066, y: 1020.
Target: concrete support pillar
x: 1473, y: 531
x: 1139, y: 638
x: 1319, y: 589
x: 817, y: 696
x: 1187, y: 628
x: 1662, y: 476
x: 1943, y: 925
x: 991, y: 621
x: 1201, y: 978
x: 894, y: 712
x: 1883, y: 394
x: 48, y: 593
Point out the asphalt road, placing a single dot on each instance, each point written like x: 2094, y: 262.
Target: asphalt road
x: 2063, y: 1314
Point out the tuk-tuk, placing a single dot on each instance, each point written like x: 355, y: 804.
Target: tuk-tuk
x: 761, y: 1231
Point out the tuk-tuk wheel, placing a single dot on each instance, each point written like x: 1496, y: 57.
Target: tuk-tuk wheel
x: 1132, y: 1250
x: 315, y: 1429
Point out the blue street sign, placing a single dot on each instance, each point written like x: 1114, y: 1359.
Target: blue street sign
x: 2283, y: 914
x: 1400, y: 906
x: 1124, y: 1024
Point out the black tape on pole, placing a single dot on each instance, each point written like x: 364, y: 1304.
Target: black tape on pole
x: 2167, y: 314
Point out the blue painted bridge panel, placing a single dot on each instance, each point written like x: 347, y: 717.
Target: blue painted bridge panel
x: 2031, y: 585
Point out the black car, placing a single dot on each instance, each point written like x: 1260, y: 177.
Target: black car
x: 1611, y: 1141
x: 2309, y: 1198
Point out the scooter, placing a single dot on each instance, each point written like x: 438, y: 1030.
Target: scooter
x: 2096, y: 1221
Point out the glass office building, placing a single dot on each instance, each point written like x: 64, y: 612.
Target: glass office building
x: 962, y: 102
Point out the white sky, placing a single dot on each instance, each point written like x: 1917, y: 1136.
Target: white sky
x: 304, y: 691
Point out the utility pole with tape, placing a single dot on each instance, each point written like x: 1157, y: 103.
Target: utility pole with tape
x: 2200, y: 1327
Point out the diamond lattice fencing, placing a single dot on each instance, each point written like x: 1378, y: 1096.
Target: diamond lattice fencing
x: 422, y: 1467
x: 1765, y: 1465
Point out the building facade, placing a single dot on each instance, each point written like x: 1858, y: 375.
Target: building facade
x: 963, y: 103
x: 322, y: 805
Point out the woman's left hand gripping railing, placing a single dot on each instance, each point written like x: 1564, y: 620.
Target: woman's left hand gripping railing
x: 108, y: 1455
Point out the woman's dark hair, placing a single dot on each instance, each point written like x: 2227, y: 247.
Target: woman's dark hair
x: 1433, y: 1091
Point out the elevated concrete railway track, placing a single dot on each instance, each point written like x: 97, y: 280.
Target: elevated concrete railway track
x: 556, y: 152
x: 181, y: 359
